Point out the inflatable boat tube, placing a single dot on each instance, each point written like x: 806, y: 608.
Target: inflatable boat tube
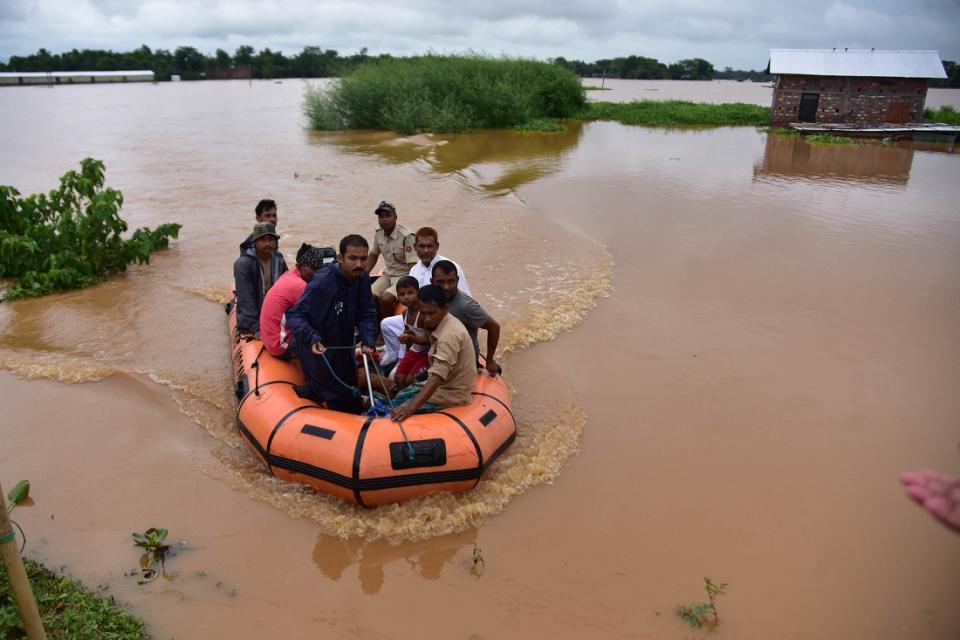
x: 363, y: 459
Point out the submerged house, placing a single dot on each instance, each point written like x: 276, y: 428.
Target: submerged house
x: 851, y: 86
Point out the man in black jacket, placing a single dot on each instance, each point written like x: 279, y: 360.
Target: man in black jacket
x: 336, y: 304
x: 254, y: 272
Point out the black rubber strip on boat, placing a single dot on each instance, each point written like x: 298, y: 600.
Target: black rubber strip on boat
x: 476, y: 445
x: 498, y: 400
x: 279, y: 424
x: 256, y: 445
x: 356, y: 459
x: 320, y: 432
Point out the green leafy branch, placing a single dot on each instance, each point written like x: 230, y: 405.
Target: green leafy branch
x: 704, y: 614
x: 71, y: 237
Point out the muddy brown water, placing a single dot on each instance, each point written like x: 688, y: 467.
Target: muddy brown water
x: 725, y: 347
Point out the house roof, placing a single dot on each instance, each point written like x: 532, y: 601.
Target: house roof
x: 856, y: 63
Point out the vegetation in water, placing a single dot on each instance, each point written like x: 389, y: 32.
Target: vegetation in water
x: 944, y: 115
x: 445, y: 94
x: 676, y: 113
x: 826, y: 138
x: 71, y: 237
x: 593, y: 87
x: 67, y: 609
x: 704, y: 614
x: 540, y: 125
x: 779, y: 131
x: 155, y: 551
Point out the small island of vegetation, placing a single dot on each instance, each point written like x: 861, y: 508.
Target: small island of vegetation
x: 72, y: 237
x: 446, y: 94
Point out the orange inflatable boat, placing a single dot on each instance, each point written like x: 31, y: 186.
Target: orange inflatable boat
x: 367, y: 460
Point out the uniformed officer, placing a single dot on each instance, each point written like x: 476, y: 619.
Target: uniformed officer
x: 397, y: 244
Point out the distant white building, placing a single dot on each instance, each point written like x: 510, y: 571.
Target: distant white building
x: 16, y: 78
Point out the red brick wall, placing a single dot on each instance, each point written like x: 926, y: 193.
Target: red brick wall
x: 853, y: 100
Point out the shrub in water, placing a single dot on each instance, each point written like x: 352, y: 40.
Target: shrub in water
x: 71, y: 237
x: 445, y: 94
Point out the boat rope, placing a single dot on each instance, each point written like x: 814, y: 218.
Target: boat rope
x: 256, y: 377
x: 410, y: 452
x: 353, y: 390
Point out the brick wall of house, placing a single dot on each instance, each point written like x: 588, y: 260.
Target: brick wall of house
x: 853, y: 100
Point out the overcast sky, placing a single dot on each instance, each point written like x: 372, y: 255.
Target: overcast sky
x: 737, y: 33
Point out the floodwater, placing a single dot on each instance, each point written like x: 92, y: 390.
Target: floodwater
x: 725, y: 347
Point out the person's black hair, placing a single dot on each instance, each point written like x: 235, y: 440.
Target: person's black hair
x: 352, y: 240
x: 408, y: 282
x: 263, y: 205
x: 446, y: 266
x: 433, y: 293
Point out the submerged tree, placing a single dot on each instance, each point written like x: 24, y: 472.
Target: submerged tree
x: 71, y: 237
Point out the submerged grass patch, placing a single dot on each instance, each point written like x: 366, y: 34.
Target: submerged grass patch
x: 677, y: 113
x: 539, y: 125
x: 826, y: 138
x: 445, y: 94
x: 945, y: 114
x: 67, y: 609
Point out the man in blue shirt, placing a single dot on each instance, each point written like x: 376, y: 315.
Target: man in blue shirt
x: 336, y: 305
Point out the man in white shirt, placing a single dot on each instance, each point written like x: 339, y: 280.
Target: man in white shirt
x: 427, y: 244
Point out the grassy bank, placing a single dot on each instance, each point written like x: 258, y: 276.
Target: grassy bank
x: 677, y: 113
x: 445, y: 94
x: 945, y: 115
x: 68, y: 610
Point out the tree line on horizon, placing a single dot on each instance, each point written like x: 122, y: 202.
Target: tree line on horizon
x: 314, y: 62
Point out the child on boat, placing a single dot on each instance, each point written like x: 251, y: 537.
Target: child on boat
x: 414, y: 336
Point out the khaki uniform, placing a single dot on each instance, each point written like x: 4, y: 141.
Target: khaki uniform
x: 398, y: 256
x: 452, y: 358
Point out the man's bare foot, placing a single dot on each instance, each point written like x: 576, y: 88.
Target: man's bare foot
x: 939, y: 494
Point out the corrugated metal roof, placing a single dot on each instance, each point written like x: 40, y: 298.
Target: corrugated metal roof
x: 856, y: 62
x: 73, y: 74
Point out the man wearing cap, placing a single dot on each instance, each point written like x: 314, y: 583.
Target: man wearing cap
x: 281, y: 296
x: 265, y: 211
x: 397, y: 244
x: 254, y: 272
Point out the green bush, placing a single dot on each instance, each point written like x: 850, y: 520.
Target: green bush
x: 944, y: 115
x: 676, y: 113
x: 71, y: 237
x: 445, y: 94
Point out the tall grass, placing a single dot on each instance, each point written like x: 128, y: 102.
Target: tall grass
x: 944, y: 115
x: 445, y: 94
x: 677, y: 113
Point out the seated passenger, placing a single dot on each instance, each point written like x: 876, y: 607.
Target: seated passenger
x: 288, y: 289
x: 452, y: 371
x: 427, y: 245
x: 335, y: 307
x: 265, y: 211
x: 414, y: 336
x: 254, y: 272
x: 469, y: 312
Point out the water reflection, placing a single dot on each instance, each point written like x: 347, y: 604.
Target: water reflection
x: 495, y: 162
x: 335, y: 555
x: 863, y: 162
